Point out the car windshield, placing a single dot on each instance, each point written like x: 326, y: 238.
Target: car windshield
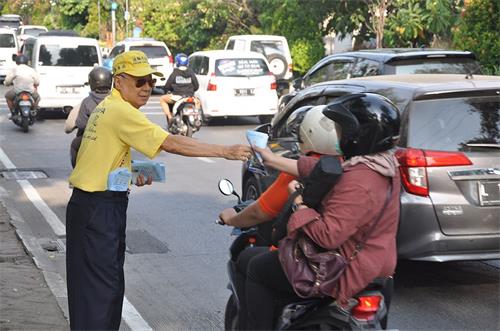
x: 437, y: 66
x: 151, y: 51
x: 267, y: 47
x: 451, y: 124
x: 57, y: 55
x: 7, y: 40
x: 34, y: 31
x: 241, y: 67
x: 10, y: 23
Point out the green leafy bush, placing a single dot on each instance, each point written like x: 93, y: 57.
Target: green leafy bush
x: 479, y: 31
x: 305, y: 53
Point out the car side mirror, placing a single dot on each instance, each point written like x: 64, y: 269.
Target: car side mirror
x: 297, y: 83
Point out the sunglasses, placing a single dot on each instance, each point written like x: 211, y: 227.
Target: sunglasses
x: 142, y: 81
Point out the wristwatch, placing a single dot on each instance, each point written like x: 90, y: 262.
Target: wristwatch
x: 295, y: 206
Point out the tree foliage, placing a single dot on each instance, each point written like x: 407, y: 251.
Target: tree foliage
x: 479, y: 31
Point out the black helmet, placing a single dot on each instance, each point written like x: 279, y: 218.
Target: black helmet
x: 21, y: 59
x: 369, y: 123
x: 100, y: 79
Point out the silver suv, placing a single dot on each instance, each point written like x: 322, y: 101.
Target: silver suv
x: 449, y: 153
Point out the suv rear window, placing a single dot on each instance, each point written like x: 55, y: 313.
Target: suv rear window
x: 450, y: 124
x: 436, y: 66
x: 241, y: 67
x: 10, y: 23
x: 267, y: 47
x: 34, y: 31
x: 7, y: 40
x: 81, y: 56
x: 151, y: 51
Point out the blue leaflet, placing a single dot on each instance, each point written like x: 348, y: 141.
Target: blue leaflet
x: 148, y: 168
x: 119, y: 179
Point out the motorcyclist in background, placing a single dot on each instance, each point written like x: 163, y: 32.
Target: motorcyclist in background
x: 23, y: 78
x: 182, y: 82
x: 100, y: 81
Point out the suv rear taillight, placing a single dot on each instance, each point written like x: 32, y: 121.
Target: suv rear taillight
x: 367, y: 307
x: 414, y: 164
x: 290, y: 68
x: 211, y: 86
x: 171, y: 59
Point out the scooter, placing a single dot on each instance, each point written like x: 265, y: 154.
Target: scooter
x: 367, y: 310
x: 25, y: 112
x: 186, y: 118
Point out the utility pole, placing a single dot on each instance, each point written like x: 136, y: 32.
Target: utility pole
x: 114, y: 5
x: 99, y: 20
x: 127, y: 17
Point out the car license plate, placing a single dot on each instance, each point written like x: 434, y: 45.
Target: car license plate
x: 489, y: 193
x: 68, y: 89
x: 24, y: 103
x: 243, y: 92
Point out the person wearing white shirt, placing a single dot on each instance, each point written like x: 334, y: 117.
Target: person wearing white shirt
x: 23, y: 78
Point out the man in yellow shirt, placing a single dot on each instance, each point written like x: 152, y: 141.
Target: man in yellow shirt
x: 96, y: 216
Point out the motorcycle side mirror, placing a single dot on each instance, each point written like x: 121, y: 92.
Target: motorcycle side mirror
x: 226, y: 187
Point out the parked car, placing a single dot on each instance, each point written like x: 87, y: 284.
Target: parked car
x: 159, y: 56
x: 63, y: 62
x: 274, y: 48
x: 29, y: 31
x: 12, y: 21
x: 449, y: 152
x: 8, y: 48
x: 386, y: 61
x: 234, y: 83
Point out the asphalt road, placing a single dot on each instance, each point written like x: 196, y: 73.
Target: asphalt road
x: 176, y: 255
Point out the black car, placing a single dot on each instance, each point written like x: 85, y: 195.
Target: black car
x: 386, y: 61
x: 449, y: 153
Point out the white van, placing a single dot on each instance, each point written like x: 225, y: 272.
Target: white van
x: 234, y: 84
x: 63, y: 63
x: 274, y: 48
x: 8, y: 47
x: 159, y: 56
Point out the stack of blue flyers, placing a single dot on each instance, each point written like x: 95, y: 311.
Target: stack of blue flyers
x: 148, y: 168
x: 119, y: 179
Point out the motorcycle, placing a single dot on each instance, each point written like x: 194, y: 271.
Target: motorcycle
x: 186, y: 118
x: 367, y: 310
x: 25, y: 112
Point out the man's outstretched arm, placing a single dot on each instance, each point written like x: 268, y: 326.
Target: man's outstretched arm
x: 186, y: 146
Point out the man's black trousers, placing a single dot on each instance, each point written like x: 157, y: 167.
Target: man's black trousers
x: 95, y: 243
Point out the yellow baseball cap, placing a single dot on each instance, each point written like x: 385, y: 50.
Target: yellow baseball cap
x: 134, y: 63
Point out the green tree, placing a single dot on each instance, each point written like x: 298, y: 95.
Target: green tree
x: 479, y: 31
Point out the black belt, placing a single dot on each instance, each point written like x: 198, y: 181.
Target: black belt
x: 106, y: 194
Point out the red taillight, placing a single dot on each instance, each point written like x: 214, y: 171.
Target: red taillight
x: 290, y: 68
x: 274, y: 85
x: 190, y: 99
x: 414, y: 164
x: 25, y: 97
x: 367, y: 307
x: 211, y: 86
x: 171, y: 59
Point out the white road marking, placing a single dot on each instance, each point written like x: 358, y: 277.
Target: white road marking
x: 47, y: 213
x: 206, y: 159
x: 130, y: 315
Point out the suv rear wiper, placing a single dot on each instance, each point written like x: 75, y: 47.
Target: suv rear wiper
x: 484, y: 145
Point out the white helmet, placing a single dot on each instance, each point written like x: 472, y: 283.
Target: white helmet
x: 317, y: 133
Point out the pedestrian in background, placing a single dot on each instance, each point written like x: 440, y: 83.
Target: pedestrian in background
x: 95, y: 215
x: 100, y: 80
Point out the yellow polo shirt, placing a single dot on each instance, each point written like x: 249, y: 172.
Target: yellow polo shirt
x: 113, y: 127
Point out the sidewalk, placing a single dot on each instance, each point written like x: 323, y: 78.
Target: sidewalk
x: 26, y: 302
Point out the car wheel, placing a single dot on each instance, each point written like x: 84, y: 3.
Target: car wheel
x: 278, y: 65
x: 231, y: 314
x: 251, y: 191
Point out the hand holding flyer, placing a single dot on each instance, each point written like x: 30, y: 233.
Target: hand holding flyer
x: 258, y: 139
x: 148, y: 168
